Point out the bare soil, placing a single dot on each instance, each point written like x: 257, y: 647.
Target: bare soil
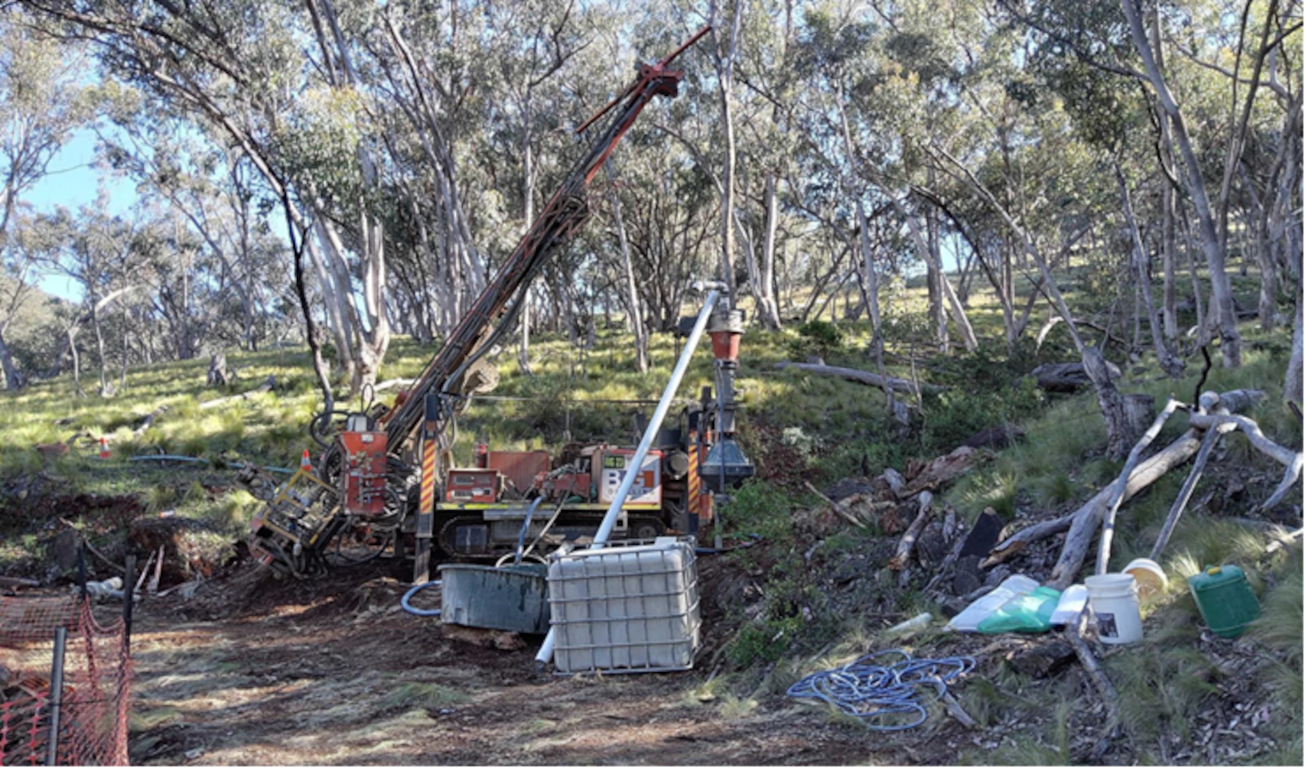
x: 333, y: 672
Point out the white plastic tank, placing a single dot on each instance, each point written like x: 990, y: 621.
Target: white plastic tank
x: 626, y: 607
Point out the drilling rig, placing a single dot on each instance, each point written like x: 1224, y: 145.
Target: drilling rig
x: 385, y: 475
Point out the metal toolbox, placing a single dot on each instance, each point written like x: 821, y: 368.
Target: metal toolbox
x: 627, y: 607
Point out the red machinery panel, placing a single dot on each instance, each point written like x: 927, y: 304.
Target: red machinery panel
x: 472, y: 486
x: 364, y: 472
x: 570, y: 484
x: 520, y: 468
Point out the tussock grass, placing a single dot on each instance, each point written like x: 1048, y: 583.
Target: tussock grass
x: 416, y: 694
x: 1161, y: 687
x: 1202, y: 540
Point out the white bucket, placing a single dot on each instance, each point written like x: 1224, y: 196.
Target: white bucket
x: 1113, y: 597
x: 1151, y: 579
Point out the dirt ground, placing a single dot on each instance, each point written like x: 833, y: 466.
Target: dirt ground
x: 334, y: 672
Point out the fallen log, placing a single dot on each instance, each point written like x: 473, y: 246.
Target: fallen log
x: 1086, y: 520
x: 266, y: 386
x: 1066, y: 377
x: 861, y: 377
x: 906, y: 545
x: 940, y: 471
x: 148, y: 421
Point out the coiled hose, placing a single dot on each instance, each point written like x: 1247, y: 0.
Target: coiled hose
x: 885, y: 697
x: 423, y: 612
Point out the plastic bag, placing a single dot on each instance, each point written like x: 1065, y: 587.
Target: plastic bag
x: 968, y: 620
x: 1025, y: 613
x: 1071, y: 604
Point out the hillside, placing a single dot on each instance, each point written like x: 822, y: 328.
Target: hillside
x: 803, y: 591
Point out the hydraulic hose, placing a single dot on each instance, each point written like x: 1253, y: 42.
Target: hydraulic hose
x: 423, y: 612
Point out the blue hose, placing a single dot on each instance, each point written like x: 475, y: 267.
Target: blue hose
x: 525, y: 527
x: 423, y: 612
x: 883, y: 696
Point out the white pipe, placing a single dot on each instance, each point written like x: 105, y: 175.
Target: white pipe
x: 650, y: 434
x: 632, y: 470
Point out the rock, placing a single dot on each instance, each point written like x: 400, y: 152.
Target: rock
x: 952, y: 606
x: 996, y: 576
x: 1041, y: 660
x: 983, y: 536
x: 932, y: 547
x: 967, y: 577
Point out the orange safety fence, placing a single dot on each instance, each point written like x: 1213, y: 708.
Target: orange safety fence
x: 94, y: 703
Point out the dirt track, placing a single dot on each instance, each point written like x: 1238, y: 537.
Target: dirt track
x: 332, y: 674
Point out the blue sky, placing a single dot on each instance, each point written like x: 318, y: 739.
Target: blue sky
x: 74, y: 182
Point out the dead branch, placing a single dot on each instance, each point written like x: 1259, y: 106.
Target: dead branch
x: 907, y: 543
x: 393, y: 383
x: 886, y: 383
x: 1185, y: 493
x: 1292, y: 460
x: 1117, y: 492
x: 896, y: 483
x: 1284, y: 541
x: 1089, y: 516
x: 266, y: 386
x: 1073, y: 632
x: 843, y: 513
x: 1013, y: 545
x: 11, y: 582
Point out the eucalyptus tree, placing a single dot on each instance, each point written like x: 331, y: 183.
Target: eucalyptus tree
x: 42, y: 102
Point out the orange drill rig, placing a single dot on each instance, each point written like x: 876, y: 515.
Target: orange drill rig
x: 385, y: 476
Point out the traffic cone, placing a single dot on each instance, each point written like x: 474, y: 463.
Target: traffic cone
x: 305, y: 463
x: 104, y: 448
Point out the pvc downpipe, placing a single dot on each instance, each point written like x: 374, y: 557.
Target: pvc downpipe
x: 663, y: 406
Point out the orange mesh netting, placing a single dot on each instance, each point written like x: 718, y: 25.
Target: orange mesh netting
x: 96, y: 683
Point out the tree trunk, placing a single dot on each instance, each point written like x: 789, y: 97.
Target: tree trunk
x: 1172, y: 366
x: 764, y: 291
x: 725, y: 79
x: 13, y: 376
x: 523, y: 350
x: 1224, y: 313
x: 1168, y: 246
x: 932, y: 257
x: 77, y: 363
x: 1291, y: 386
x: 631, y: 288
x: 99, y: 352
